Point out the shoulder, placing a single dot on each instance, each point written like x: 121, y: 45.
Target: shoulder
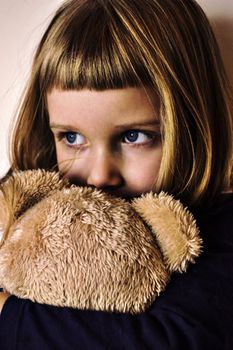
x: 3, y: 297
x: 221, y: 210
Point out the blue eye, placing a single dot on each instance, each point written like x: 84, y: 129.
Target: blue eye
x: 71, y: 137
x: 74, y: 138
x: 131, y: 136
x: 136, y: 137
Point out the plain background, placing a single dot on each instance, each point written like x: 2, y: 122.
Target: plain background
x: 22, y: 23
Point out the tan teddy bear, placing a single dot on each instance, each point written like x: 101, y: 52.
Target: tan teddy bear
x: 79, y: 247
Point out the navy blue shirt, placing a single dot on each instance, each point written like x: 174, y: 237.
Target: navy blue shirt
x: 195, y: 312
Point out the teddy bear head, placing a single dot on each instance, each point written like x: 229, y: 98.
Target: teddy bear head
x: 79, y: 247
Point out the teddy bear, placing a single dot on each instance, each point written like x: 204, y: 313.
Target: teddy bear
x: 79, y: 247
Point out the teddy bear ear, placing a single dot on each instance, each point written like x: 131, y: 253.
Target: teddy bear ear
x: 21, y: 191
x: 173, y: 226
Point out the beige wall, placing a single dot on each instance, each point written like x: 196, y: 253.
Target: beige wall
x: 23, y: 21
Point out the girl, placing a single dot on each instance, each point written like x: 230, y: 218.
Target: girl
x: 131, y: 96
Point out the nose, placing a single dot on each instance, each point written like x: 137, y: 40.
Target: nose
x: 105, y: 172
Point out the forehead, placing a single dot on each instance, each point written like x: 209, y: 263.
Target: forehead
x: 114, y: 105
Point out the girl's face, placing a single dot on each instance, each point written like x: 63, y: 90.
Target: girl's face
x: 107, y: 139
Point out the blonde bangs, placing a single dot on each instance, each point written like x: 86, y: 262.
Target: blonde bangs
x: 97, y: 57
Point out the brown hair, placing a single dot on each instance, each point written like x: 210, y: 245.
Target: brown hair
x: 167, y: 45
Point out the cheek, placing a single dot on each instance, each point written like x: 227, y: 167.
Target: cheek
x: 72, y: 168
x: 142, y: 174
x: 64, y: 159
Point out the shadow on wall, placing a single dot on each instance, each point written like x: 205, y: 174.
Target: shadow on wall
x: 223, y: 29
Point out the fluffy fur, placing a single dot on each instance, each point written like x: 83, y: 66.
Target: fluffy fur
x: 79, y: 247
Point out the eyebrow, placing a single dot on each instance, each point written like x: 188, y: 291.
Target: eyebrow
x: 63, y: 127
x: 136, y: 125
x: 149, y: 123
